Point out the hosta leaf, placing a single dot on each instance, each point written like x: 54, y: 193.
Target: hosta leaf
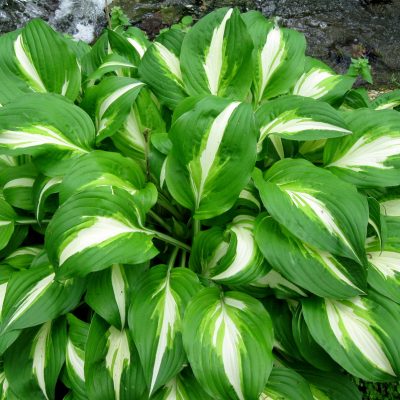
x: 361, y: 334
x: 15, y: 239
x: 160, y: 68
x: 208, y: 168
x: 371, y: 155
x: 37, y: 123
x: 95, y: 229
x: 390, y: 204
x: 387, y: 101
x: 110, y: 102
x: 75, y: 356
x: 43, y: 188
x: 376, y: 220
x: 160, y: 300
x: 384, y: 263
x: 112, y: 367
x: 238, y: 261
x: 7, y: 221
x: 316, y: 206
x: 119, y: 44
x: 228, y: 340
x: 17, y: 183
x: 108, y: 294
x: 321, y: 82
x: 137, y: 39
x: 299, y: 118
x: 278, y: 56
x: 33, y: 296
x: 316, y: 270
x: 21, y: 258
x: 34, y: 361
x: 284, y: 383
x: 216, y: 56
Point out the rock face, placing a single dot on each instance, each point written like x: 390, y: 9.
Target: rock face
x: 336, y: 30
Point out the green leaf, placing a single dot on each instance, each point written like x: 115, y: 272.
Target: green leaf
x: 37, y: 123
x: 315, y: 206
x: 313, y: 269
x: 7, y: 221
x: 361, y: 334
x: 21, y: 258
x: 321, y: 82
x: 228, y: 340
x: 33, y: 296
x: 387, y: 101
x: 278, y: 56
x: 94, y: 229
x: 284, y: 383
x: 155, y: 320
x: 42, y: 189
x: 160, y: 68
x: 32, y: 364
x: 216, y: 56
x: 212, y: 156
x: 371, y: 155
x: 112, y: 365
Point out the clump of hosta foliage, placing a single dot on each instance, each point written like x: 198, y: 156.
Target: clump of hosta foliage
x: 212, y: 215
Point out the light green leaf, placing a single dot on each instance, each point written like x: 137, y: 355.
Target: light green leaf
x: 371, y: 155
x: 216, y: 56
x: 278, y: 56
x: 7, y: 221
x: 94, y: 229
x: 316, y: 207
x: 228, y: 340
x: 387, y: 101
x: 361, y: 334
x: 155, y: 320
x: 43, y: 188
x: 321, y: 82
x: 313, y: 269
x: 212, y: 155
x: 21, y: 258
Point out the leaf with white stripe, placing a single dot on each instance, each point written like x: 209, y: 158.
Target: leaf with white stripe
x: 284, y: 383
x: 155, y: 321
x: 384, y: 263
x: 33, y: 296
x: 112, y: 365
x: 228, y: 339
x: 7, y: 221
x: 21, y: 258
x: 120, y: 44
x: 75, y: 356
x: 43, y: 188
x: 361, y: 334
x: 316, y: 206
x: 371, y: 155
x: 17, y: 183
x: 160, y: 68
x: 390, y: 204
x: 94, y: 229
x: 387, y: 101
x: 212, y: 156
x: 108, y: 294
x: 321, y: 82
x: 33, y: 363
x: 278, y: 56
x: 216, y: 56
x: 110, y: 102
x: 299, y: 118
x: 36, y: 123
x: 137, y: 39
x: 313, y: 269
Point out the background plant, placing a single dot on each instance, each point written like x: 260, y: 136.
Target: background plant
x: 209, y: 215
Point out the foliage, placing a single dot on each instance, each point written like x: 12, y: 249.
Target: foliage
x: 211, y: 215
x: 360, y: 67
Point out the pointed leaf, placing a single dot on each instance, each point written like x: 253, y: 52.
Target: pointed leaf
x: 7, y: 220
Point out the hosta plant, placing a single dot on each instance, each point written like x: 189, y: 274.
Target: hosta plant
x: 211, y: 215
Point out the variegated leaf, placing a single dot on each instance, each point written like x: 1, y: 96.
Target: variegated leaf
x: 21, y: 258
x: 7, y: 222
x: 370, y: 156
x: 216, y: 56
x: 387, y: 101
x: 212, y: 155
x: 42, y: 189
x: 94, y: 229
x: 361, y: 334
x: 316, y: 270
x: 160, y: 68
x: 278, y: 56
x: 160, y: 300
x: 316, y: 206
x: 228, y: 340
x: 321, y: 82
x: 32, y: 364
x: 112, y: 365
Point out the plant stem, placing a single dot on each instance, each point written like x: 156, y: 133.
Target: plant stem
x: 172, y: 258
x: 183, y: 259
x: 196, y: 227
x: 163, y: 202
x: 31, y: 221
x: 170, y: 240
x: 159, y: 220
